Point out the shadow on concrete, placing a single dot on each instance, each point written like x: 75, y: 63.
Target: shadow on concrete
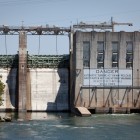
x: 12, y: 79
x: 136, y: 100
x: 62, y: 100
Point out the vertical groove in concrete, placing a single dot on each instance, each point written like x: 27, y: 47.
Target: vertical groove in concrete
x: 22, y: 72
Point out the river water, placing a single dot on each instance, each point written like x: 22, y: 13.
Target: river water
x: 65, y: 126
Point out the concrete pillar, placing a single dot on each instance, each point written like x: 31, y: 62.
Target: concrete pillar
x: 108, y: 50
x: 22, y: 71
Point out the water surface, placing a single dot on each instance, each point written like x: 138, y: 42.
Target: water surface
x: 65, y: 126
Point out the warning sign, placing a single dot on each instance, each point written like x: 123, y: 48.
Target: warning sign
x: 107, y: 77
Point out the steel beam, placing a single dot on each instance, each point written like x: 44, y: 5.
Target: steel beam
x: 34, y: 30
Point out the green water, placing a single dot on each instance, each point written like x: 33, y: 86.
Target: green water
x: 65, y: 126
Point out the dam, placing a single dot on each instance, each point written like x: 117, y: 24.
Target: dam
x: 99, y: 75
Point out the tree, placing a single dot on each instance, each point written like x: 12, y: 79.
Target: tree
x: 1, y: 90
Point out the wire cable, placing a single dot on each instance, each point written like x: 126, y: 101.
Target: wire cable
x: 39, y: 46
x: 56, y: 46
x: 5, y: 45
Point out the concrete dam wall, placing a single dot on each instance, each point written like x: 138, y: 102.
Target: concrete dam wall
x: 9, y: 78
x: 47, y: 89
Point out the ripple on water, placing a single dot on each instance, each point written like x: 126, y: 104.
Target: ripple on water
x: 102, y: 127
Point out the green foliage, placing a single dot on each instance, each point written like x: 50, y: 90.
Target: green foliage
x: 1, y: 91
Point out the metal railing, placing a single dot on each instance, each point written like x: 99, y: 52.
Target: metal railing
x: 8, y: 61
x: 36, y: 61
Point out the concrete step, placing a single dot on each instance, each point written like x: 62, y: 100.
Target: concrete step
x: 83, y: 111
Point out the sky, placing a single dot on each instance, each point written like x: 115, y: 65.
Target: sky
x: 63, y: 13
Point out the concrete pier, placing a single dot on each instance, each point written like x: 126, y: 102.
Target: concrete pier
x: 22, y: 72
